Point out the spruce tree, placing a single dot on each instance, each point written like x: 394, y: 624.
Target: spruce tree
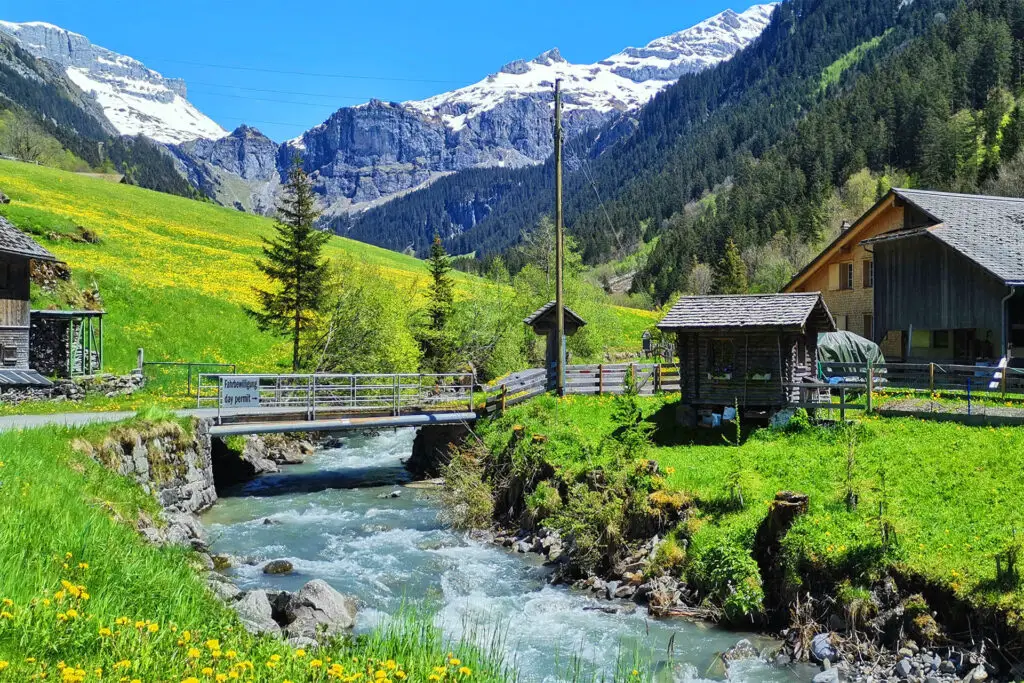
x: 731, y: 272
x: 292, y: 261
x: 435, y: 339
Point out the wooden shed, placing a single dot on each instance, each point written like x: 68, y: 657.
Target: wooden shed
x: 17, y: 251
x: 746, y: 349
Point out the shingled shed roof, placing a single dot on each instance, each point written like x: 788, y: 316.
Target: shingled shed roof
x: 14, y: 241
x: 549, y: 307
x: 749, y: 311
x: 987, y: 230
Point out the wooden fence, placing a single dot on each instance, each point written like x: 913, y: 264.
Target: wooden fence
x: 649, y: 379
x: 931, y: 377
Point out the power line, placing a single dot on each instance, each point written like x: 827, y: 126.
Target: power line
x: 267, y: 99
x: 276, y: 92
x: 283, y: 72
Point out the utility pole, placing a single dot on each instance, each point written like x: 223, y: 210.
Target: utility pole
x: 559, y: 302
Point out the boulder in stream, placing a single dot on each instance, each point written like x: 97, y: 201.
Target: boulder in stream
x: 278, y: 567
x: 318, y: 608
x: 255, y: 613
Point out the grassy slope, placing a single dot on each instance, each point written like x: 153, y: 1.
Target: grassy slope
x: 65, y: 518
x: 953, y: 491
x: 175, y: 274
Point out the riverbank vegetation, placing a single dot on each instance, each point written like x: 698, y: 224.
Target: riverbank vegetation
x: 85, y: 598
x: 175, y: 277
x: 935, y: 504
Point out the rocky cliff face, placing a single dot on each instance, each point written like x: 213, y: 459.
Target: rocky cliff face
x: 243, y: 169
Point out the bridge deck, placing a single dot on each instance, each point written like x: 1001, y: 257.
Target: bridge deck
x: 281, y: 423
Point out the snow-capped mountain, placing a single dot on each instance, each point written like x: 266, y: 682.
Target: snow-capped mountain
x: 135, y: 99
x: 623, y: 82
x: 365, y: 155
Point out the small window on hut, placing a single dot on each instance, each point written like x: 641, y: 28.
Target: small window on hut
x: 721, y: 358
x: 9, y: 354
x: 4, y: 275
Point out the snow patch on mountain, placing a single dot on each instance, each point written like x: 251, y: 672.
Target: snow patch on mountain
x: 136, y: 99
x: 623, y: 82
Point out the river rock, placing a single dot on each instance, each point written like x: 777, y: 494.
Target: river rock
x: 827, y: 676
x: 904, y: 668
x: 743, y: 649
x: 185, y: 530
x: 255, y: 613
x: 318, y: 608
x: 822, y: 648
x: 4, y: 199
x: 223, y: 589
x: 278, y: 567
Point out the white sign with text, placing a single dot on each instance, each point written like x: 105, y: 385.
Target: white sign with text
x: 239, y: 391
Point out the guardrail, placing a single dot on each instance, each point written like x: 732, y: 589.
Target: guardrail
x: 311, y: 394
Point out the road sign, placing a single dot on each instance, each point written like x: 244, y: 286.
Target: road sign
x: 239, y: 391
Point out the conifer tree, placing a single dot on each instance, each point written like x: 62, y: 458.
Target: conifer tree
x: 292, y: 261
x: 436, y: 339
x: 731, y: 272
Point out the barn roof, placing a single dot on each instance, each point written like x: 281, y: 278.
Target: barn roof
x: 14, y: 241
x: 549, y: 307
x: 987, y: 230
x: 749, y: 311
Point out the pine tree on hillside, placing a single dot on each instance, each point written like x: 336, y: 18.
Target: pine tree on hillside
x: 731, y: 272
x: 292, y: 260
x: 435, y: 340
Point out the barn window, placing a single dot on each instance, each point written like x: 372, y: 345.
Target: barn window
x: 869, y: 274
x: 4, y: 275
x: 9, y: 354
x: 869, y: 326
x: 846, y: 276
x: 721, y: 359
x: 940, y: 339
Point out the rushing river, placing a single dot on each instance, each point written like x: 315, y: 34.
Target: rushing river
x: 334, y: 519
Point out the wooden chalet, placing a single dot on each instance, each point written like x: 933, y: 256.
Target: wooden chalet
x: 746, y: 349
x: 17, y: 251
x: 930, y: 276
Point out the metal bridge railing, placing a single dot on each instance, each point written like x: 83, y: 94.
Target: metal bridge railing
x: 333, y: 393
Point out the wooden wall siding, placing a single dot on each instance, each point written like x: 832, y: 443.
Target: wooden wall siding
x: 14, y: 313
x: 921, y: 282
x: 19, y: 339
x: 14, y: 277
x: 754, y: 353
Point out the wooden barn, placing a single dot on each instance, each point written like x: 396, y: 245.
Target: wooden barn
x: 17, y: 251
x: 746, y: 349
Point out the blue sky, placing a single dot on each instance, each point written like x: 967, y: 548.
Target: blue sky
x: 398, y: 49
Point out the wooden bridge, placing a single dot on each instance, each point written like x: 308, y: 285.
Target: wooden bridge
x: 263, y: 404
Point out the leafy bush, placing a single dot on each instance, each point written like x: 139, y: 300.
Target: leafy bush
x: 728, y: 577
x: 669, y: 558
x: 543, y: 502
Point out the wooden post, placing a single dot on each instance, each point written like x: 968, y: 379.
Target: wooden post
x: 504, y: 394
x: 871, y: 387
x: 472, y: 384
x: 600, y: 379
x: 1005, y: 371
x: 657, y: 378
x: 632, y: 375
x: 842, y: 403
x: 142, y: 359
x: 931, y: 378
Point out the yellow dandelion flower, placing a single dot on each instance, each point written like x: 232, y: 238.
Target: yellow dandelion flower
x: 465, y: 671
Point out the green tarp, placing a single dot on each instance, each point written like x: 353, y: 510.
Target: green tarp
x: 836, y: 348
